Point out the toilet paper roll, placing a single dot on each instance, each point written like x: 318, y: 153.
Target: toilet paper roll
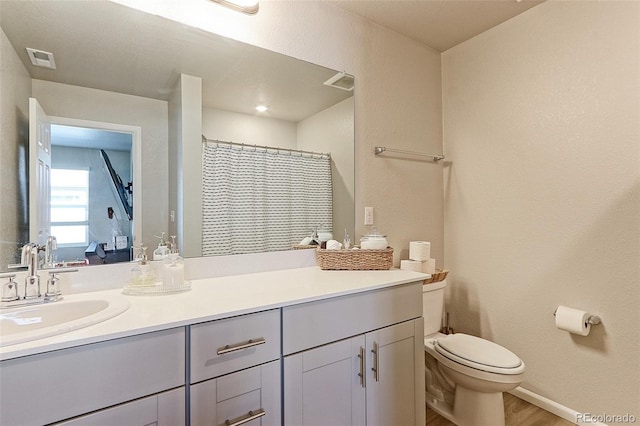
x: 429, y: 266
x: 419, y: 250
x: 334, y: 245
x: 573, y: 320
x: 411, y: 265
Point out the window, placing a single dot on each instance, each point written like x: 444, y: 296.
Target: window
x: 70, y: 206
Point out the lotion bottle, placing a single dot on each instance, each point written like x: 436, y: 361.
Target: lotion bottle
x: 162, y: 250
x: 142, y: 274
x: 173, y: 270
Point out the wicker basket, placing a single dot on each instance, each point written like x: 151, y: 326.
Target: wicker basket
x: 355, y: 260
x: 439, y: 275
x: 304, y: 246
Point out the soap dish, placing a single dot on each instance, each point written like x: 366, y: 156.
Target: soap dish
x: 157, y: 289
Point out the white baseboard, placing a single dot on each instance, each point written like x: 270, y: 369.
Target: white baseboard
x: 553, y: 407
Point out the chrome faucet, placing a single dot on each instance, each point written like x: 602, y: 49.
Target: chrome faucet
x: 29, y: 259
x: 32, y: 294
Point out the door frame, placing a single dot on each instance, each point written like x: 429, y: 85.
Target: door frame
x: 136, y: 160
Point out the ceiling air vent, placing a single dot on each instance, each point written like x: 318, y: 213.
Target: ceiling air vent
x: 342, y: 81
x: 40, y: 58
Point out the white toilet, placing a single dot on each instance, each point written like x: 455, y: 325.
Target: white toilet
x: 464, y: 375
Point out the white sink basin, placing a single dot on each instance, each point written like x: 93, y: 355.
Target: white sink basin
x: 23, y: 324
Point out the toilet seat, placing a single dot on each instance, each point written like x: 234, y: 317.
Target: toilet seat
x: 479, y: 353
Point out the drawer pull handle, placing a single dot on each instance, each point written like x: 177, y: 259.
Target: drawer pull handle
x: 240, y: 346
x: 363, y: 379
x: 251, y: 415
x: 376, y: 354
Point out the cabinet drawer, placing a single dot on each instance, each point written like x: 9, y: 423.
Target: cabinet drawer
x: 238, y: 397
x: 312, y: 324
x: 224, y: 346
x: 165, y: 409
x: 69, y: 382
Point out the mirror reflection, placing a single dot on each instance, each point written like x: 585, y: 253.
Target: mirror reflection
x: 170, y: 85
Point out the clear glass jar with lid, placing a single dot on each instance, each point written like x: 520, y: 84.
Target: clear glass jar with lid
x: 374, y: 240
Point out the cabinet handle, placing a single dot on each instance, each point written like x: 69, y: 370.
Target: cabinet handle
x: 249, y: 343
x: 375, y: 362
x: 251, y: 415
x: 363, y: 379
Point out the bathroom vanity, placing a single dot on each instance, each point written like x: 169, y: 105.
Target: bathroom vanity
x: 297, y: 346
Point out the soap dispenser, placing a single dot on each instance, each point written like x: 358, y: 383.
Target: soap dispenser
x: 142, y: 273
x: 173, y: 269
x: 162, y: 251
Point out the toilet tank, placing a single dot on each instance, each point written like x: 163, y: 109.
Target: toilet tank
x: 433, y: 306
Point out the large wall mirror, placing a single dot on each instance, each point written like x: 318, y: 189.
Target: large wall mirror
x: 109, y: 104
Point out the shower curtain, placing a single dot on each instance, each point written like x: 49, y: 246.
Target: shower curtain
x: 262, y: 199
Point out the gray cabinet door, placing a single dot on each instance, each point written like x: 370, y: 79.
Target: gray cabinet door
x: 325, y: 385
x: 395, y: 386
x: 373, y: 379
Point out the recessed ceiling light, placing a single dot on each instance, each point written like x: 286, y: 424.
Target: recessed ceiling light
x: 40, y: 58
x: 246, y: 6
x: 261, y: 108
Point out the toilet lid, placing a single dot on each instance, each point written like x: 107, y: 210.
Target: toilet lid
x: 478, y: 353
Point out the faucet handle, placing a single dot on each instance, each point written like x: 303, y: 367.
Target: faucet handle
x: 17, y: 266
x: 9, y: 289
x: 54, y: 271
x: 53, y: 291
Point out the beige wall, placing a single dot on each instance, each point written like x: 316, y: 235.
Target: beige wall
x: 543, y: 192
x: 397, y: 101
x: 15, y: 89
x: 63, y: 100
x: 331, y: 131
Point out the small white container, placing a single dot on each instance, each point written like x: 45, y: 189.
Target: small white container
x: 324, y: 235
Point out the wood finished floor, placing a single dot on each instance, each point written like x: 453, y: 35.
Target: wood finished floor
x: 517, y: 413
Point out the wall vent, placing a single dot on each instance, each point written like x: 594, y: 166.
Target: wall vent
x: 40, y: 58
x: 342, y: 81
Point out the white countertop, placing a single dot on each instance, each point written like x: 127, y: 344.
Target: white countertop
x: 215, y: 298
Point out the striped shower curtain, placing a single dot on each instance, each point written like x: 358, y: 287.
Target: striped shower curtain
x: 262, y: 199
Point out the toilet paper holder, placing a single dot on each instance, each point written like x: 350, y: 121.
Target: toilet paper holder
x: 593, y: 319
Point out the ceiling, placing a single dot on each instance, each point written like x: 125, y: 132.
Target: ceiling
x: 100, y: 139
x: 440, y: 24
x: 111, y: 47
x: 107, y: 46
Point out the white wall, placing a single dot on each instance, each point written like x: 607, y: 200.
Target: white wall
x: 248, y: 129
x: 397, y: 100
x: 15, y: 90
x: 63, y: 100
x: 542, y: 196
x: 331, y: 131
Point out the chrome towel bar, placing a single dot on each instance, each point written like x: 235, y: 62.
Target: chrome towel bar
x: 381, y: 149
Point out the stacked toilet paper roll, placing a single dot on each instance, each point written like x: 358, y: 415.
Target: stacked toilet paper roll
x: 419, y: 250
x: 429, y: 266
x: 419, y: 258
x: 411, y: 265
